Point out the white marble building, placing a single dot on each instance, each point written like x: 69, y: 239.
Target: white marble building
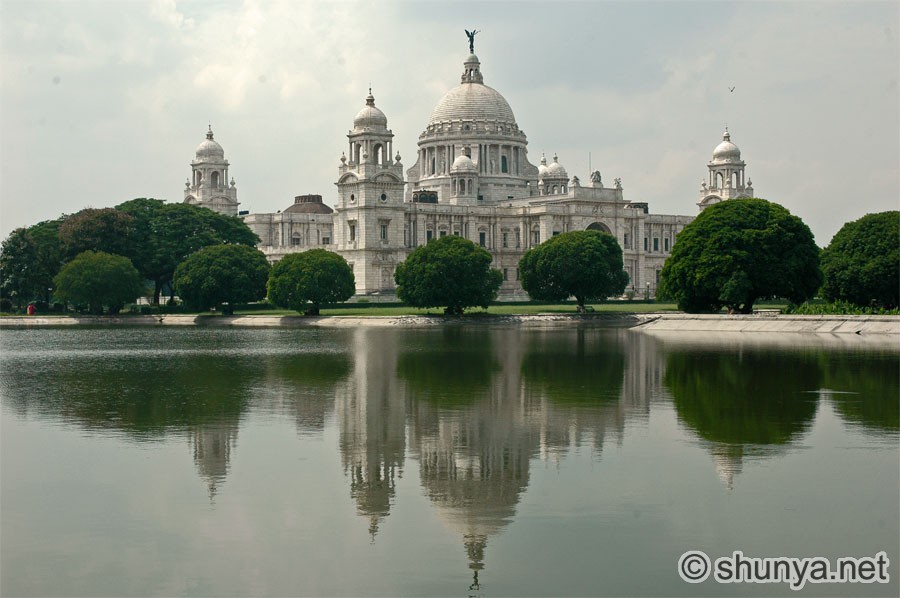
x: 471, y: 177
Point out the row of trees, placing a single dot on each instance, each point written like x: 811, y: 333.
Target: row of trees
x: 731, y: 255
x: 739, y: 251
x: 154, y: 236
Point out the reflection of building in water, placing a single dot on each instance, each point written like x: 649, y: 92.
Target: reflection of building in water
x: 371, y: 413
x: 212, y: 444
x: 729, y: 462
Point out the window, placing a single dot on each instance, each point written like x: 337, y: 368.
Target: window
x: 518, y: 240
x: 456, y: 232
x: 352, y: 198
x: 384, y: 232
x: 443, y: 233
x: 352, y: 232
x: 666, y: 244
x: 556, y: 232
x: 504, y: 167
x: 646, y: 244
x: 655, y: 243
x: 627, y: 241
x: 482, y: 238
x: 517, y: 274
x: 428, y: 235
x: 657, y: 276
x: 506, y: 239
x: 505, y: 274
x: 536, y: 237
x: 326, y: 240
x: 296, y: 239
x: 383, y: 197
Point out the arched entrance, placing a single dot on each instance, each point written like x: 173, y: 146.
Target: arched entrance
x: 599, y: 226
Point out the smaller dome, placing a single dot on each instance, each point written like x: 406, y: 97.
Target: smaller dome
x: 463, y: 163
x: 210, y: 148
x: 370, y: 117
x: 542, y: 169
x: 556, y: 169
x: 309, y: 204
x: 726, y: 150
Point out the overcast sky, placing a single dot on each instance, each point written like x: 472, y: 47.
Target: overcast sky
x: 103, y: 101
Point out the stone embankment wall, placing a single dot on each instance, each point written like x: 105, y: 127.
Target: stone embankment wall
x: 764, y: 322
x: 668, y: 322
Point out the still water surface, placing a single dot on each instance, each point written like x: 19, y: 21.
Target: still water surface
x: 482, y: 461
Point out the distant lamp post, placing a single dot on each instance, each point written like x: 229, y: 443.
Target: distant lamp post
x: 647, y: 292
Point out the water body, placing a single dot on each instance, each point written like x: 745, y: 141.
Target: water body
x: 457, y: 461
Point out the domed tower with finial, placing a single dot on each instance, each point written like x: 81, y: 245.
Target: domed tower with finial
x: 209, y: 186
x: 552, y: 179
x: 726, y: 175
x: 370, y: 201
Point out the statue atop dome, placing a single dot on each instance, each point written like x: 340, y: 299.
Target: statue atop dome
x: 471, y: 36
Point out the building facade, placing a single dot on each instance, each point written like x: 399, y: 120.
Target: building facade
x: 471, y: 177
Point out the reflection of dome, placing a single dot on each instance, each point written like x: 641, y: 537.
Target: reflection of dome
x: 309, y: 204
x: 726, y: 150
x: 463, y: 164
x: 370, y: 117
x: 210, y: 149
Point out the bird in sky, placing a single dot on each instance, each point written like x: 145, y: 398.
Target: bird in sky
x: 731, y: 89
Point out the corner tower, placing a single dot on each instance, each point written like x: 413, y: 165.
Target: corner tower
x: 726, y: 175
x: 369, y: 223
x: 208, y: 186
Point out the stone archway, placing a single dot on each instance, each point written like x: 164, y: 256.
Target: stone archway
x: 599, y: 226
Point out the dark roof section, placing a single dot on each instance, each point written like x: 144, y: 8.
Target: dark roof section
x: 309, y: 204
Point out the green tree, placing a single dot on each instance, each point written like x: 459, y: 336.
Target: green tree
x: 584, y: 264
x: 96, y: 279
x: 304, y: 281
x: 222, y: 274
x: 862, y: 263
x: 737, y: 251
x: 450, y: 272
x: 29, y: 259
x: 107, y: 230
x: 165, y: 234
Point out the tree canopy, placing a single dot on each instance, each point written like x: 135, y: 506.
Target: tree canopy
x: 738, y: 251
x: 305, y: 281
x: 165, y: 234
x: 99, y: 279
x: 222, y: 274
x: 450, y: 272
x: 584, y: 264
x: 108, y: 230
x: 862, y: 263
x: 29, y: 259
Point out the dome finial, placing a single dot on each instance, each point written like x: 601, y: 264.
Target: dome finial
x: 209, y: 133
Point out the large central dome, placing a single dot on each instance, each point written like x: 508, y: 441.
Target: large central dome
x: 472, y: 100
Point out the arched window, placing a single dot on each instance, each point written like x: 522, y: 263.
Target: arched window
x: 214, y: 179
x: 433, y: 162
x: 555, y: 189
x: 296, y: 239
x: 719, y: 181
x: 378, y: 152
x: 600, y: 227
x: 503, y: 164
x: 356, y: 148
x: 471, y: 187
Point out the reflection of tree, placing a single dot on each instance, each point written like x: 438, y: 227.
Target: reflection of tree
x: 582, y: 367
x: 143, y: 397
x: 738, y: 399
x: 304, y: 385
x: 454, y: 367
x: 866, y: 387
x: 743, y: 398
